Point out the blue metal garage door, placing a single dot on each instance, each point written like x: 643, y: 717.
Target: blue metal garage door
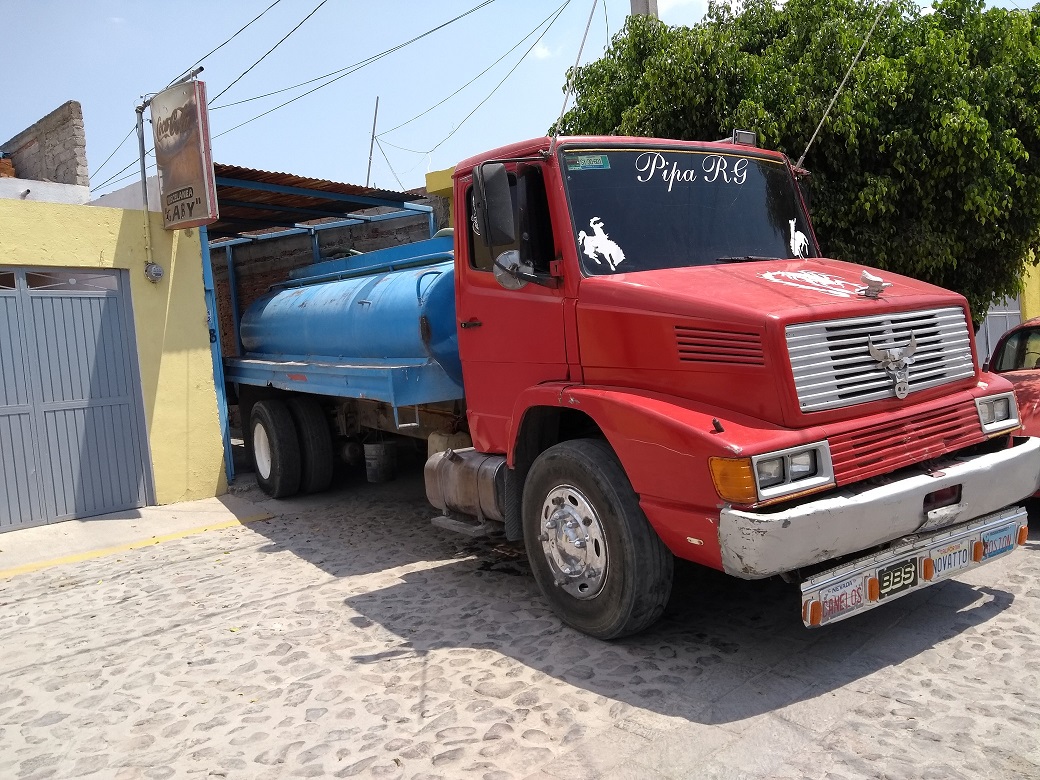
x: 72, y: 440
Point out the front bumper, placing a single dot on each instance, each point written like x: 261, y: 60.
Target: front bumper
x: 909, y: 566
x: 763, y: 543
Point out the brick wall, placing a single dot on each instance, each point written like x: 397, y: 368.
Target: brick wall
x: 54, y: 149
x: 264, y: 263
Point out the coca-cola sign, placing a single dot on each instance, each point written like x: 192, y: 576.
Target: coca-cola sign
x: 180, y: 127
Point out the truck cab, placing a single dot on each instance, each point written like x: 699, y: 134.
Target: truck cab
x: 647, y: 328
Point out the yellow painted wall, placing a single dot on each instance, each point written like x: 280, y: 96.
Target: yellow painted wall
x: 170, y: 322
x: 440, y: 183
x: 1031, y: 293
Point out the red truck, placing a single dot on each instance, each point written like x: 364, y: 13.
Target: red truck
x: 654, y: 361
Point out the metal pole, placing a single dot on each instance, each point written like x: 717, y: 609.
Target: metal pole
x: 144, y: 187
x: 644, y: 8
x: 372, y: 143
x: 152, y: 271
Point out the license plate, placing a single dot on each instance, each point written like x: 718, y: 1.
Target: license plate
x: 950, y: 558
x: 847, y: 596
x: 999, y: 541
x: 897, y: 578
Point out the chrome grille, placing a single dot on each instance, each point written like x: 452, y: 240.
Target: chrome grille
x: 833, y: 368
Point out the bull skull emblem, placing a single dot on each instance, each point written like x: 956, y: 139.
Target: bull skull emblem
x: 896, y: 363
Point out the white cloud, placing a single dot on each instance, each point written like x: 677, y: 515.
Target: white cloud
x: 542, y: 52
x: 681, y: 11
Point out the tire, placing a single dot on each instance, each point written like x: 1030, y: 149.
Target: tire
x: 275, y: 448
x: 315, y: 444
x: 618, y: 581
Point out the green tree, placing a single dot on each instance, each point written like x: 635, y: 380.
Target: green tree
x: 929, y: 162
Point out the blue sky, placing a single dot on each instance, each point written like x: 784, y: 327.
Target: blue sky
x: 108, y: 53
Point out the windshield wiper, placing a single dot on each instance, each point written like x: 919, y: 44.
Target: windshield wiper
x: 746, y: 259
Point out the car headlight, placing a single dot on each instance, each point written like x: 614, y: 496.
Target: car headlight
x: 997, y: 413
x: 773, y: 475
x: 770, y: 472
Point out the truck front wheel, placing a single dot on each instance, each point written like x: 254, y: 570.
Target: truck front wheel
x: 594, y: 555
x: 276, y: 449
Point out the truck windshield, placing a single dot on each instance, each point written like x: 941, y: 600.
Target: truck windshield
x: 644, y: 209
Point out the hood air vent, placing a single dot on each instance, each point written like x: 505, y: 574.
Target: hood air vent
x: 704, y: 345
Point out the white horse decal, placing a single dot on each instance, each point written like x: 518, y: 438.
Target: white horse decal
x: 799, y: 242
x: 600, y: 245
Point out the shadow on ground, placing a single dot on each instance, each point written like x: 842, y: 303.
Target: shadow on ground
x: 725, y: 650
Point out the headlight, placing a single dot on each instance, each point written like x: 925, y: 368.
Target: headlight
x: 803, y: 465
x: 770, y: 472
x: 997, y: 412
x: 773, y: 475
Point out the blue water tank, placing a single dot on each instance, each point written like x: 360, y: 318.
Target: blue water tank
x: 382, y: 316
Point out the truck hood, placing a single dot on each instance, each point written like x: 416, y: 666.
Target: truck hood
x: 717, y: 334
x: 754, y: 291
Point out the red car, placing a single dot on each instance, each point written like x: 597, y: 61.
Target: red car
x: 1017, y: 358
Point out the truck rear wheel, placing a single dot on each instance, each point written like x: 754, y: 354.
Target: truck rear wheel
x: 315, y: 444
x: 594, y: 555
x: 276, y: 450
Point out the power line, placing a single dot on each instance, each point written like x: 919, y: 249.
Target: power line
x: 120, y: 146
x: 187, y: 70
x: 388, y: 165
x: 225, y: 43
x: 294, y: 29
x: 343, y: 75
x: 503, y: 81
x: 113, y: 180
x: 347, y: 70
x: 489, y: 67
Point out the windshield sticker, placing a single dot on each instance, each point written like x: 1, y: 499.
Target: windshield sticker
x: 714, y: 168
x: 588, y: 162
x: 799, y: 242
x: 816, y: 281
x: 600, y: 245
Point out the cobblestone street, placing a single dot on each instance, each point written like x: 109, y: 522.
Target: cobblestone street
x: 347, y: 637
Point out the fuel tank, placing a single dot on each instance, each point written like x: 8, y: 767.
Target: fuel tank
x: 375, y: 314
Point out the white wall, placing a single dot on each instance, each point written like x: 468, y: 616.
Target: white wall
x: 43, y: 191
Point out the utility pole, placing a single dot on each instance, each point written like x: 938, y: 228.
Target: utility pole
x: 645, y: 8
x: 372, y: 143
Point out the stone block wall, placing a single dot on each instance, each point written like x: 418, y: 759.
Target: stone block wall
x: 264, y: 263
x: 54, y: 149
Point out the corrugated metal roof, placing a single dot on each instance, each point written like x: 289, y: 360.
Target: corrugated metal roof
x: 252, y: 200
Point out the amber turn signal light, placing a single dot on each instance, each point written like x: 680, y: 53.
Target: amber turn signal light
x: 1023, y: 534
x: 873, y: 589
x: 812, y: 613
x: 928, y: 568
x: 734, y: 479
x: 977, y: 551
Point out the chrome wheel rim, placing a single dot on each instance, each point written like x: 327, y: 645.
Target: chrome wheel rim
x: 261, y: 451
x: 573, y: 542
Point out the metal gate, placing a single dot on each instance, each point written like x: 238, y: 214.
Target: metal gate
x: 1002, y: 317
x: 72, y: 441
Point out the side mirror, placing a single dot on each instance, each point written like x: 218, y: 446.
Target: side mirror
x: 493, y: 204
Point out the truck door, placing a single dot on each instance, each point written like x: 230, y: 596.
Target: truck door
x: 509, y: 340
